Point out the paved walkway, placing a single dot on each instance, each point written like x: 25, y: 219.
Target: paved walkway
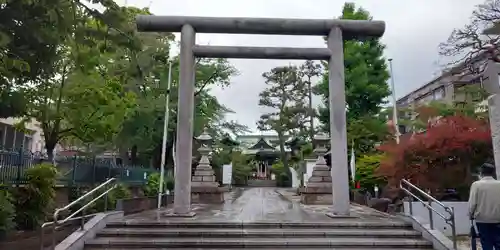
x: 356, y: 210
x: 259, y: 205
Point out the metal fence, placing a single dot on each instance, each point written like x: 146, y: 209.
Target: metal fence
x: 76, y: 170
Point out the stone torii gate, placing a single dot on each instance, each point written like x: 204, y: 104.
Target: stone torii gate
x: 336, y: 31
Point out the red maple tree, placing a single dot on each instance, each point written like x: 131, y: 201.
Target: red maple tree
x: 444, y: 156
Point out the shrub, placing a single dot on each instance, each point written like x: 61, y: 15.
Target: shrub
x: 36, y: 199
x: 7, y: 213
x: 119, y: 192
x: 442, y: 157
x: 169, y: 183
x: 282, y: 180
x: 366, y: 167
x: 241, y: 170
x: 282, y: 174
x: 153, y: 184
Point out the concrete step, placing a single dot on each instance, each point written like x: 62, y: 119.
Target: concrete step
x: 261, y: 183
x: 204, y: 243
x: 257, y: 233
x: 338, y: 223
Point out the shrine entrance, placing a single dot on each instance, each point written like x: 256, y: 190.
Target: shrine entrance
x: 262, y: 156
x: 336, y: 32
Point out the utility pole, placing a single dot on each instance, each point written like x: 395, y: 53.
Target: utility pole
x: 165, y: 133
x: 394, y: 106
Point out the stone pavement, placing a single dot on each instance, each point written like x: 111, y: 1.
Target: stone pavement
x: 259, y: 205
x: 356, y: 210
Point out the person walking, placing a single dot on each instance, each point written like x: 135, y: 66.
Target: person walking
x: 484, y: 207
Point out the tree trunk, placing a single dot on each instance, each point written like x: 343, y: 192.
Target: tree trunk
x: 50, y: 145
x: 283, y: 157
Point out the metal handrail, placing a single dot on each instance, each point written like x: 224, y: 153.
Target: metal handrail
x: 55, y: 228
x: 450, y: 219
x: 56, y: 223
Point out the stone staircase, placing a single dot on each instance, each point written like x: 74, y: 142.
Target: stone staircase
x: 261, y: 183
x: 338, y: 234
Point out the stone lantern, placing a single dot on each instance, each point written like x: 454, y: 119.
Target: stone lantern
x: 205, y: 149
x: 320, y: 141
x: 319, y: 185
x: 204, y: 188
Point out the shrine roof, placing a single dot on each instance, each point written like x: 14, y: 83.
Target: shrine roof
x: 262, y: 144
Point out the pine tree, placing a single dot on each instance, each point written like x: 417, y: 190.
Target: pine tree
x: 285, y: 95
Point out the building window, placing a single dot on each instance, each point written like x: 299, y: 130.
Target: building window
x: 438, y: 94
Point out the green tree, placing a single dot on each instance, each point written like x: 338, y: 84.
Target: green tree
x: 366, y: 132
x: 366, y: 78
x: 285, y: 95
x: 241, y: 169
x: 90, y: 79
x: 143, y: 131
x: 308, y: 71
x: 79, y: 98
x: 30, y: 35
x: 366, y: 167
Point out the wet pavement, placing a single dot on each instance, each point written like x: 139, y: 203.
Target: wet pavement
x: 259, y: 205
x: 356, y: 210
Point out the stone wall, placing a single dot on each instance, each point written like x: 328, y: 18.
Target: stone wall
x: 462, y: 222
x: 139, y: 204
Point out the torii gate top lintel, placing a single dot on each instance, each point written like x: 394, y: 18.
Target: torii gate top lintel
x: 261, y: 26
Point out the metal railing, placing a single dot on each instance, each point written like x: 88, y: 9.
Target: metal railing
x: 449, y: 219
x: 107, y: 186
x: 75, y: 170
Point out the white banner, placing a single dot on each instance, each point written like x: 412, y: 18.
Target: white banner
x: 227, y: 174
x: 353, y: 164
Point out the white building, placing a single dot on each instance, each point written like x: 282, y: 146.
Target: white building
x: 10, y: 139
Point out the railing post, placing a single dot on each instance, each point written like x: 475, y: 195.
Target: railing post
x: 41, y: 238
x: 82, y: 223
x: 53, y: 240
x: 19, y: 166
x: 410, y: 204
x: 453, y: 228
x: 106, y: 197
x: 431, y: 220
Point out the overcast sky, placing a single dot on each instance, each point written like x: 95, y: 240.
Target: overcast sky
x: 414, y: 30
